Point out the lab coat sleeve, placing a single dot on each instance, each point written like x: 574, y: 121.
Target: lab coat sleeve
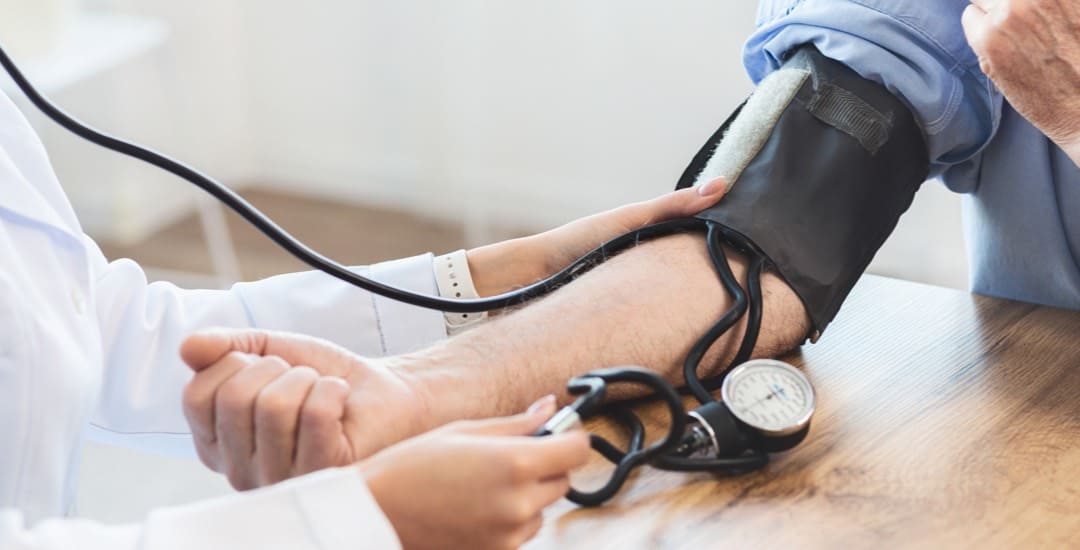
x: 327, y: 510
x: 915, y: 49
x: 142, y: 326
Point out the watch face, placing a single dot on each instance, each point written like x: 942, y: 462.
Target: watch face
x: 771, y: 396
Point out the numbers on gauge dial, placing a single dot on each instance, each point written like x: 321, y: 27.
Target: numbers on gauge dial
x: 770, y: 398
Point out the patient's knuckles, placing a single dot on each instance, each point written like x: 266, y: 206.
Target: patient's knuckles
x: 273, y: 362
x: 237, y: 358
x: 317, y: 414
x: 240, y: 392
x: 274, y: 409
x: 208, y: 453
x: 269, y: 472
x: 239, y: 476
x: 234, y: 396
x: 196, y: 399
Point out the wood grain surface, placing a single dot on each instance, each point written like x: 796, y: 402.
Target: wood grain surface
x: 944, y: 420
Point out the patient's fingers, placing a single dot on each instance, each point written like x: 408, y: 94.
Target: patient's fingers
x: 277, y: 413
x: 321, y: 440
x: 234, y: 418
x: 198, y: 403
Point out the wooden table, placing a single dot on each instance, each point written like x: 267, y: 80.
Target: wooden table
x: 944, y: 420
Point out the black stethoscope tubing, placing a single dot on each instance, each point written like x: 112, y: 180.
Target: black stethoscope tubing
x: 661, y: 455
x: 307, y: 255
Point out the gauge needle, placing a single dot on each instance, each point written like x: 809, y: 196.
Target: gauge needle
x: 763, y: 399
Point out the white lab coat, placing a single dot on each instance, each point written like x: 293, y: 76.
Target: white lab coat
x: 89, y: 349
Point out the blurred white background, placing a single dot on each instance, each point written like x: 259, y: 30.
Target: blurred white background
x: 478, y: 111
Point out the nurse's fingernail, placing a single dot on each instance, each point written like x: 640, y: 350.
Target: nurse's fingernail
x: 545, y: 404
x: 713, y: 187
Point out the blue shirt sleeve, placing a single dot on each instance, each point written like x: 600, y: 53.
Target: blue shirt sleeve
x: 916, y: 49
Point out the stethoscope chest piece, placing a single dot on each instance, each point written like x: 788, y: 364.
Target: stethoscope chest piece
x: 766, y: 408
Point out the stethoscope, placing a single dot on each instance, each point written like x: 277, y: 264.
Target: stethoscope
x: 766, y: 405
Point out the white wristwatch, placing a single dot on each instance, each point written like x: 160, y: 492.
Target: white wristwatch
x: 455, y: 282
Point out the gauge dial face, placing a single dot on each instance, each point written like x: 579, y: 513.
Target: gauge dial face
x: 772, y: 396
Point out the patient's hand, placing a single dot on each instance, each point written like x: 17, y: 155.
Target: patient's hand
x: 507, y: 265
x: 267, y: 406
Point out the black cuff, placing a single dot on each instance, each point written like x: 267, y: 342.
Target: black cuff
x: 841, y: 165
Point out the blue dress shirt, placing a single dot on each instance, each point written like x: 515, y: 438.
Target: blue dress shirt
x: 1022, y: 210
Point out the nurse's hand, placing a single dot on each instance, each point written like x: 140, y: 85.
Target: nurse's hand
x: 475, y: 484
x: 1031, y: 50
x: 512, y: 264
x: 264, y: 406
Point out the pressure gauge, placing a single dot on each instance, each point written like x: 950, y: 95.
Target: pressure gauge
x: 772, y: 398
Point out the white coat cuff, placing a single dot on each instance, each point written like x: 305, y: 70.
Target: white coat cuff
x: 404, y: 327
x: 330, y: 510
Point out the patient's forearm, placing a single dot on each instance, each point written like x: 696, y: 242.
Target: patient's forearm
x: 646, y: 307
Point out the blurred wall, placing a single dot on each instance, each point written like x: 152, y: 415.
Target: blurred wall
x: 522, y: 112
x: 186, y: 97
x: 493, y: 113
x: 534, y: 113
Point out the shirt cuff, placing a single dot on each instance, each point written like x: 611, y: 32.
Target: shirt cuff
x: 404, y: 327
x: 329, y: 510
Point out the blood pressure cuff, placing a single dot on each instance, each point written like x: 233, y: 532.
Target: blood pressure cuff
x: 820, y: 165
